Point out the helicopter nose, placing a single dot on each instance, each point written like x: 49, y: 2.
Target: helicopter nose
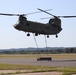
x: 16, y: 27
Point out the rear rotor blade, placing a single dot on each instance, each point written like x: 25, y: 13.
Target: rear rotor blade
x: 47, y: 13
x: 60, y: 17
x: 66, y: 16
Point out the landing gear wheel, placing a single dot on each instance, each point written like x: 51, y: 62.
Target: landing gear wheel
x: 36, y: 34
x: 56, y: 36
x: 47, y: 36
x: 28, y: 34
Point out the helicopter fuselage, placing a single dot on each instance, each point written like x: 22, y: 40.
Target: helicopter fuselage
x: 37, y: 28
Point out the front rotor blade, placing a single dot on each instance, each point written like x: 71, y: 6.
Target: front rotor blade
x: 22, y: 14
x: 45, y: 18
x: 9, y: 14
x: 37, y: 12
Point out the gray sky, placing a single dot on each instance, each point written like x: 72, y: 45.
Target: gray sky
x: 11, y: 38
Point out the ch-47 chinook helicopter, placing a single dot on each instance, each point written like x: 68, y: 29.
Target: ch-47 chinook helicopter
x: 53, y: 27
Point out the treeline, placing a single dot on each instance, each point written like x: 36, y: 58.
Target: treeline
x: 23, y: 51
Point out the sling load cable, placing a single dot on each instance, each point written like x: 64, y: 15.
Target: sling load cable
x: 46, y: 44
x: 35, y: 42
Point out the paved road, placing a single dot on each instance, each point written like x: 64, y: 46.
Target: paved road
x: 29, y: 61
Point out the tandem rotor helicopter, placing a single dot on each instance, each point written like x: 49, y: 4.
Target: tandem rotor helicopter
x: 53, y: 27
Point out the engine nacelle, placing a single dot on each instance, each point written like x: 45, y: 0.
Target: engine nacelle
x: 55, y: 21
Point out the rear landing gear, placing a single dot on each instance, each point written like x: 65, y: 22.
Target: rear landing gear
x: 56, y: 36
x: 28, y: 34
x: 47, y: 36
x: 36, y: 34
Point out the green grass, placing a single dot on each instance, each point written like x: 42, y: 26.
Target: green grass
x: 65, y: 70
x: 22, y: 67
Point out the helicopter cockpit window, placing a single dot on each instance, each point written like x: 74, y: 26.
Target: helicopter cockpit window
x: 17, y: 22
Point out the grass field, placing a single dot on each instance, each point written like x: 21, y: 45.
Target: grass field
x: 30, y: 69
x: 54, y: 56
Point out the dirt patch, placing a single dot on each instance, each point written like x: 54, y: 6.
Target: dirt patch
x: 13, y: 71
x: 39, y: 73
x: 42, y: 73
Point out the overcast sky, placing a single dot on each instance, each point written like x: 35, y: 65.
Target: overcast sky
x: 11, y: 38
